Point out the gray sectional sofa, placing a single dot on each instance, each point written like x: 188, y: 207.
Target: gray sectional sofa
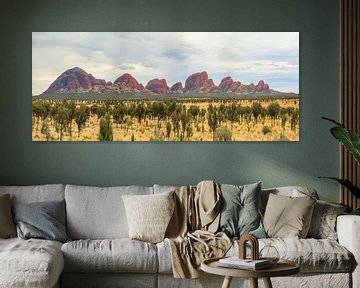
x: 101, y: 254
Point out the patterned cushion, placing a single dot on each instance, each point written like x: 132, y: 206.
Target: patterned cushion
x: 323, y: 223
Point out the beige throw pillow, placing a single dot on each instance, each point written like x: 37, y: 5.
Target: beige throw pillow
x: 288, y: 217
x: 7, y: 226
x: 149, y: 215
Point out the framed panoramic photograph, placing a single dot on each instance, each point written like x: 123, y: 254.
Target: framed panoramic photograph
x: 165, y: 86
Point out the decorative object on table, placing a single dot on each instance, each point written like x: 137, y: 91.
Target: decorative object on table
x: 241, y: 261
x: 269, y: 253
x: 254, y: 246
x: 351, y: 142
x: 175, y: 92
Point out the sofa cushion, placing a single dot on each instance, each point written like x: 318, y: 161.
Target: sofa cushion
x: 109, y: 280
x: 149, y: 215
x: 98, y: 213
x: 30, y: 263
x: 323, y: 222
x: 117, y: 255
x: 43, y: 220
x: 287, y: 216
x: 240, y: 210
x: 7, y: 226
x: 36, y: 193
x: 313, y: 255
x: 291, y: 191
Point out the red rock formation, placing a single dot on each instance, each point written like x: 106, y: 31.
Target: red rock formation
x: 177, y: 88
x: 228, y: 85
x: 75, y: 80
x: 199, y: 82
x: 158, y: 86
x: 262, y: 86
x: 129, y: 81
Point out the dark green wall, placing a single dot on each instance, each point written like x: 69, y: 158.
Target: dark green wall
x: 23, y: 162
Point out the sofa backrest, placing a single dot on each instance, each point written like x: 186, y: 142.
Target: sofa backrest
x: 293, y: 191
x: 36, y: 193
x: 98, y: 212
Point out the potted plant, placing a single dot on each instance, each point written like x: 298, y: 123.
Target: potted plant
x: 351, y: 141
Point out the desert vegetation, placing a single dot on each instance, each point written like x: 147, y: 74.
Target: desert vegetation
x: 172, y: 120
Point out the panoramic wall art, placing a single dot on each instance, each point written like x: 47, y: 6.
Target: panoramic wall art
x: 165, y: 86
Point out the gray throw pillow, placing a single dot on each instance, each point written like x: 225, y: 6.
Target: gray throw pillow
x: 323, y: 222
x: 240, y: 213
x: 7, y: 227
x: 44, y: 220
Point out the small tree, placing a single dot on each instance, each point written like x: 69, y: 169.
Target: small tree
x: 45, y: 130
x: 283, y: 121
x: 256, y: 110
x: 266, y: 130
x: 213, y: 121
x: 82, y: 114
x: 168, y: 130
x: 273, y: 111
x: 106, y: 132
x: 222, y: 134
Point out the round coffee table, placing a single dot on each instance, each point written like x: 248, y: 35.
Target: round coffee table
x: 281, y: 268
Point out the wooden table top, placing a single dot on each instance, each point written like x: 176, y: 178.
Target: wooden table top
x: 281, y: 268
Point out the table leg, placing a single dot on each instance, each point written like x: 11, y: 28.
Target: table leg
x: 254, y: 282
x: 267, y: 283
x: 227, y: 282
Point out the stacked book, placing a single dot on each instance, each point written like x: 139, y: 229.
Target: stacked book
x: 248, y: 264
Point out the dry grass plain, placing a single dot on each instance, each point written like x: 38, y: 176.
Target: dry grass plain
x: 152, y: 129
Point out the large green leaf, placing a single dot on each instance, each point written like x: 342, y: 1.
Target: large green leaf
x: 348, y: 185
x: 348, y: 138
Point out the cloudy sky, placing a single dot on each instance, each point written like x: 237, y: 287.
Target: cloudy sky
x: 245, y: 56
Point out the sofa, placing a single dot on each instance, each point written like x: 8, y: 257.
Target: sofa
x: 100, y: 253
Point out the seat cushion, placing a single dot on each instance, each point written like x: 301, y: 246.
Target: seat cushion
x: 117, y: 255
x: 30, y: 263
x: 98, y: 212
x: 313, y: 255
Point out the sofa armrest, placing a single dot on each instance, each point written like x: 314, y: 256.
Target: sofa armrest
x: 348, y: 230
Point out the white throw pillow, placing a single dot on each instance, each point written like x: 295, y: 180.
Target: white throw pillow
x: 149, y: 215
